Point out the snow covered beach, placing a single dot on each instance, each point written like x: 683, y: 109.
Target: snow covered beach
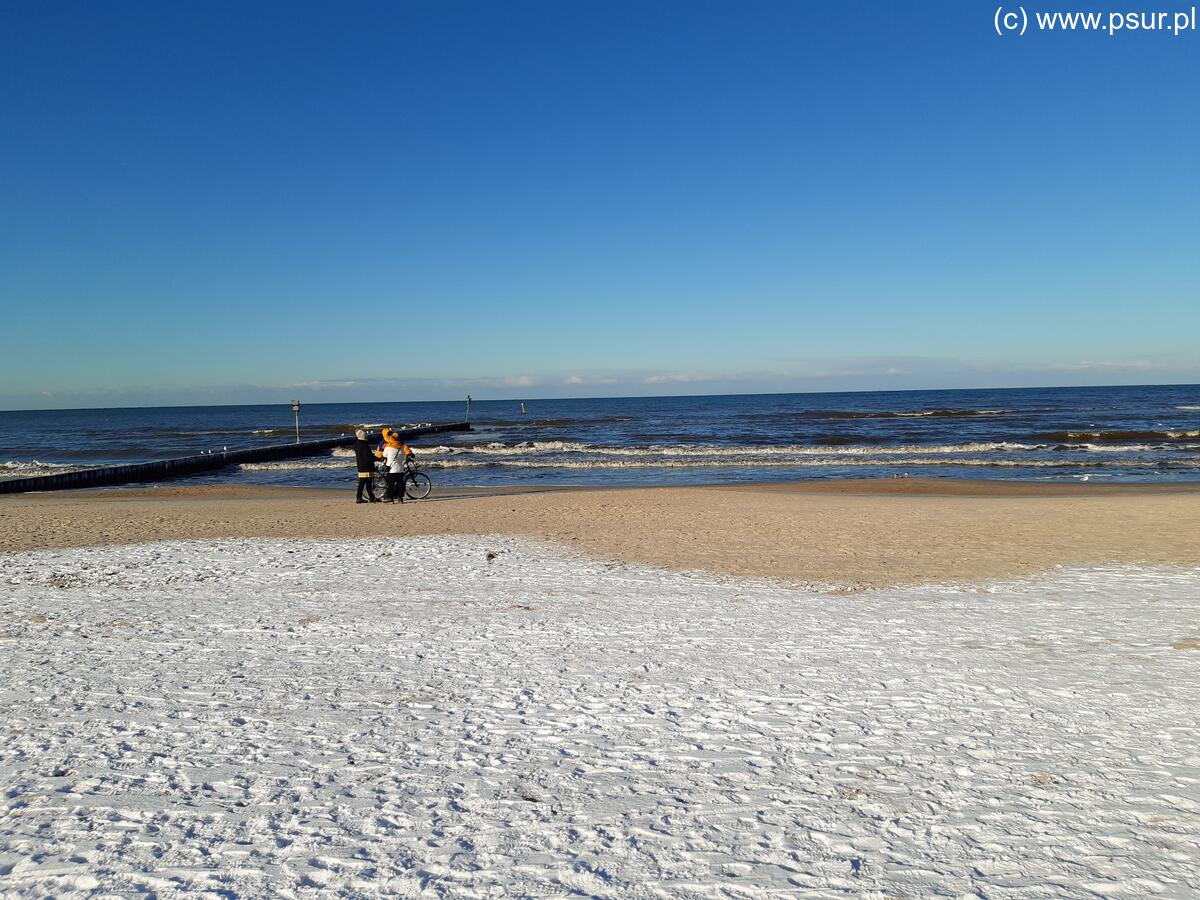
x: 475, y: 716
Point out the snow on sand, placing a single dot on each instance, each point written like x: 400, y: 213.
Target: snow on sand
x: 254, y: 717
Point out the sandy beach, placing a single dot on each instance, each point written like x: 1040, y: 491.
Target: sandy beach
x: 491, y: 716
x: 877, y: 689
x: 842, y: 534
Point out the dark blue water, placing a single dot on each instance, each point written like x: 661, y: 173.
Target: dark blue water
x: 1060, y: 434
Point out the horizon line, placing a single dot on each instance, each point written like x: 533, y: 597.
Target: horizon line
x: 531, y: 399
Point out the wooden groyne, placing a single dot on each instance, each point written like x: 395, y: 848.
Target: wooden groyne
x: 164, y: 469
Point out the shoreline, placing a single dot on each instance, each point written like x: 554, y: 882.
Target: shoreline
x: 914, y: 485
x: 848, y: 535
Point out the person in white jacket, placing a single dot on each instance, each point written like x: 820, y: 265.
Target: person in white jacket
x: 395, y: 456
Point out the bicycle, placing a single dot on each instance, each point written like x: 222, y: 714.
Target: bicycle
x: 416, y: 483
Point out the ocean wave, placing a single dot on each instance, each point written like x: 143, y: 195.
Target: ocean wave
x: 541, y: 448
x: 1193, y: 408
x: 573, y: 455
x: 1116, y: 436
x: 175, y: 432
x: 844, y: 440
x: 578, y: 455
x: 946, y: 413
x: 890, y: 462
x: 952, y: 413
x: 297, y: 464
x: 1127, y: 448
x: 811, y: 463
x: 342, y: 428
x: 19, y: 468
x: 553, y: 423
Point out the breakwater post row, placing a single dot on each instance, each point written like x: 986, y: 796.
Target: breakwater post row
x: 164, y: 469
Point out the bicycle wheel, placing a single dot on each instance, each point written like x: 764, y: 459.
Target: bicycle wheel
x: 379, y: 484
x: 418, y: 486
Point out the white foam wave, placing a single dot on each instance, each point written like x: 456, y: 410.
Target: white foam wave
x: 332, y: 429
x: 1130, y: 448
x: 18, y: 468
x: 339, y: 458
x: 1189, y: 407
x: 1173, y: 434
x: 889, y: 461
x: 296, y: 465
x: 573, y: 455
x: 951, y: 413
x: 715, y: 463
x: 193, y: 433
x: 533, y: 448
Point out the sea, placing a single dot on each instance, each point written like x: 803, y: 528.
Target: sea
x: 1109, y: 434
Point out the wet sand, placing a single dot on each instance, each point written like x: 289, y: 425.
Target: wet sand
x: 846, y: 534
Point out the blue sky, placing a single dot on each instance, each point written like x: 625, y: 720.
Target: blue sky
x: 208, y: 202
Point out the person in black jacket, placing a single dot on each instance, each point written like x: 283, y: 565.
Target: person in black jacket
x: 364, y: 456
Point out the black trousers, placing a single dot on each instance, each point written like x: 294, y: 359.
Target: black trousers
x: 395, y: 485
x: 365, y: 483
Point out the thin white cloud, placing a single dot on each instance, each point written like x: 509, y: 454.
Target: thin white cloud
x: 1129, y: 365
x: 574, y: 379
x: 675, y: 378
x: 324, y: 385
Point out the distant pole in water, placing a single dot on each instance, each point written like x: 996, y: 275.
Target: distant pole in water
x: 296, y: 412
x: 468, y: 418
x: 522, y: 407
